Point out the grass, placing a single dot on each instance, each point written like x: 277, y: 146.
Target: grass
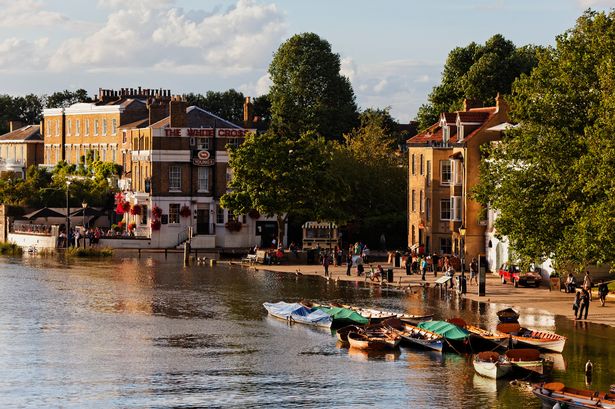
x: 90, y: 252
x: 10, y: 249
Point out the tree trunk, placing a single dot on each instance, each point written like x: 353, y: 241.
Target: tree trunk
x: 280, y: 230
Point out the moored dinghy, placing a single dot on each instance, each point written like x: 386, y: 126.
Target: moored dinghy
x: 529, y: 360
x: 482, y: 339
x: 343, y: 316
x: 537, y: 339
x: 297, y: 313
x: 375, y: 315
x: 491, y: 365
x: 555, y: 392
x: 456, y: 337
x: 373, y: 341
x: 508, y: 315
x: 414, y: 336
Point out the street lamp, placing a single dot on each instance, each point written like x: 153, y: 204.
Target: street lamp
x: 67, y: 213
x: 84, y: 205
x: 462, y: 233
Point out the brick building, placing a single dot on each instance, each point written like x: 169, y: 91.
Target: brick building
x: 20, y: 148
x: 443, y: 167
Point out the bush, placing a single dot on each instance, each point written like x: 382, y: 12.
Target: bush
x: 88, y: 252
x: 10, y: 249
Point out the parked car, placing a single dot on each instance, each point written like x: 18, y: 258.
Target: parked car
x: 513, y: 274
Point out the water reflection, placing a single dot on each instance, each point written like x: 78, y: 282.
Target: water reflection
x: 149, y: 332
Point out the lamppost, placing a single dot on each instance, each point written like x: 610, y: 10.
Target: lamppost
x: 462, y: 233
x: 67, y: 214
x: 84, y: 205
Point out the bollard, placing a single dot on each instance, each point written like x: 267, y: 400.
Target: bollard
x: 212, y: 262
x: 186, y: 254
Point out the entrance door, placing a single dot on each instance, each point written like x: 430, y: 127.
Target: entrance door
x: 268, y: 231
x: 202, y: 221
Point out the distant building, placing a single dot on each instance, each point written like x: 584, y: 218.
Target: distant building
x: 20, y: 148
x: 443, y: 168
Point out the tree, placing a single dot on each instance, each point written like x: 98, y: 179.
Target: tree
x: 66, y: 98
x: 227, y: 105
x: 551, y: 178
x: 277, y: 176
x: 308, y: 92
x: 479, y: 73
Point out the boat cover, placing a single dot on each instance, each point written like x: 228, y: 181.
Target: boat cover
x: 299, y: 313
x: 446, y: 329
x: 339, y: 313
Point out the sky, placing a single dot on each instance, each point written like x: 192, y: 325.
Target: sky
x: 393, y: 51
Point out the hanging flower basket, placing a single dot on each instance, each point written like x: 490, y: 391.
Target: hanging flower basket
x: 125, y: 206
x: 132, y: 226
x: 135, y: 210
x: 156, y: 212
x: 233, y: 225
x: 155, y: 224
x: 254, y: 214
x: 184, y: 211
x: 121, y: 224
x: 119, y: 209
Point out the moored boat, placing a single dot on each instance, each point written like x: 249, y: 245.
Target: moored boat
x: 528, y: 360
x: 538, y: 339
x: 491, y: 365
x: 456, y: 337
x: 373, y: 341
x: 482, y: 339
x: 508, y: 315
x: 412, y: 335
x: 375, y: 315
x: 555, y: 392
x: 342, y: 333
x: 343, y: 316
x: 297, y: 313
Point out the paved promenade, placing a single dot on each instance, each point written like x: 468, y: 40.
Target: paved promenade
x: 538, y: 299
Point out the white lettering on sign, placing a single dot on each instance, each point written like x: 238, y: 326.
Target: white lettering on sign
x: 203, y: 162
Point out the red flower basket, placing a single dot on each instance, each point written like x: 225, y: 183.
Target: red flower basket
x: 125, y: 206
x: 254, y: 214
x: 233, y: 225
x: 132, y: 226
x: 155, y: 224
x: 184, y: 211
x: 119, y: 209
x: 135, y: 210
x: 121, y: 224
x: 156, y: 212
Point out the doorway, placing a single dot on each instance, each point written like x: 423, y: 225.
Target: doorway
x: 202, y: 221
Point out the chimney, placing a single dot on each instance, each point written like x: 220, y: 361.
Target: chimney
x: 15, y: 125
x: 177, y: 112
x: 248, y: 113
x: 471, y: 103
x: 501, y: 104
x: 157, y: 111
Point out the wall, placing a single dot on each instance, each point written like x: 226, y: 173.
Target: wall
x: 27, y: 240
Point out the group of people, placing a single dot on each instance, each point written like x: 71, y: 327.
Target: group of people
x: 583, y: 297
x: 75, y: 236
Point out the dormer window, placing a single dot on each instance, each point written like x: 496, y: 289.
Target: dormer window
x: 446, y: 134
x: 460, y: 135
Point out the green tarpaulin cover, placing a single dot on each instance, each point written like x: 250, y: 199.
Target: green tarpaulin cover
x: 446, y: 329
x: 338, y: 313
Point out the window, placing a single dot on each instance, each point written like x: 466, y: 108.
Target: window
x: 412, y: 167
x: 428, y: 209
x: 175, y: 178
x: 143, y: 214
x: 114, y: 126
x: 413, y: 241
x: 96, y: 127
x: 48, y: 155
x: 203, y: 184
x: 104, y: 127
x: 219, y: 215
x: 124, y: 136
x: 445, y: 135
x: 421, y: 209
x: 48, y: 128
x: 455, y: 208
x: 457, y: 172
x: 412, y: 200
x: 428, y: 178
x: 421, y: 166
x: 77, y: 127
x: 445, y: 209
x: 234, y: 142
x: 68, y: 125
x: 173, y: 213
x: 202, y: 143
x: 113, y: 155
x: 445, y: 172
x: 58, y: 128
x: 87, y: 127
x: 446, y: 245
x: 103, y: 154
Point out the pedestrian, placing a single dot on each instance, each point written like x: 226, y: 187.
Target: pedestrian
x: 325, y: 263
x: 603, y: 290
x: 584, y: 306
x: 360, y: 270
x: 451, y: 273
x: 576, y: 303
x: 423, y: 268
x: 348, y: 263
x: 435, y: 260
x: 474, y: 271
x: 365, y: 254
x: 588, y: 284
x: 408, y: 265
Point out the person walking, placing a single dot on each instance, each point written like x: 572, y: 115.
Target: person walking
x: 423, y: 268
x: 576, y: 304
x: 603, y: 290
x: 348, y: 263
x: 588, y: 284
x: 451, y: 273
x: 584, y: 306
x: 474, y: 270
x: 325, y: 263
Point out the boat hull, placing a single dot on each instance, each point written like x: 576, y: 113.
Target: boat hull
x: 550, y: 398
x: 365, y: 342
x: 550, y: 345
x: 493, y: 370
x: 290, y: 313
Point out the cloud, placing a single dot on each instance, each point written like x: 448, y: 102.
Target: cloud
x: 261, y: 87
x: 235, y: 40
x: 28, y: 13
x: 21, y: 55
x: 596, y: 3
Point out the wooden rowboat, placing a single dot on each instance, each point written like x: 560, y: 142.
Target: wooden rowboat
x: 375, y: 315
x: 491, y: 365
x: 508, y: 315
x: 528, y: 360
x: 482, y: 339
x: 373, y: 341
x: 555, y: 392
x: 342, y: 333
x: 417, y: 337
x: 537, y: 339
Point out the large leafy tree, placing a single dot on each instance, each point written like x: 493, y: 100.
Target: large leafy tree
x: 308, y: 92
x: 66, y: 98
x: 226, y: 104
x: 551, y: 178
x: 277, y: 176
x: 477, y: 72
x: 26, y: 109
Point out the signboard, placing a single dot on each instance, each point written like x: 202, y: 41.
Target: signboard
x: 206, y: 132
x: 203, y: 158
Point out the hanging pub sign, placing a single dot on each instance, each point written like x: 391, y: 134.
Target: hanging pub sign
x: 203, y: 158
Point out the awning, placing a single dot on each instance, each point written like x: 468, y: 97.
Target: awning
x: 319, y: 225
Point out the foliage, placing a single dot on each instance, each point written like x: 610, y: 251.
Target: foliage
x: 551, y: 178
x: 227, y: 104
x: 155, y: 224
x: 10, y: 249
x: 276, y: 176
x: 185, y: 211
x: 27, y: 109
x: 66, y: 98
x: 233, y: 225
x: 308, y: 93
x: 477, y: 72
x: 90, y: 252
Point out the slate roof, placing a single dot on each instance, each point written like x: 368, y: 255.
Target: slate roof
x: 25, y: 134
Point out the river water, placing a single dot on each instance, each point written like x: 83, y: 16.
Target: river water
x: 135, y: 333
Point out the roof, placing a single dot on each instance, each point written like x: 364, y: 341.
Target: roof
x: 141, y: 123
x: 198, y: 118
x: 28, y: 133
